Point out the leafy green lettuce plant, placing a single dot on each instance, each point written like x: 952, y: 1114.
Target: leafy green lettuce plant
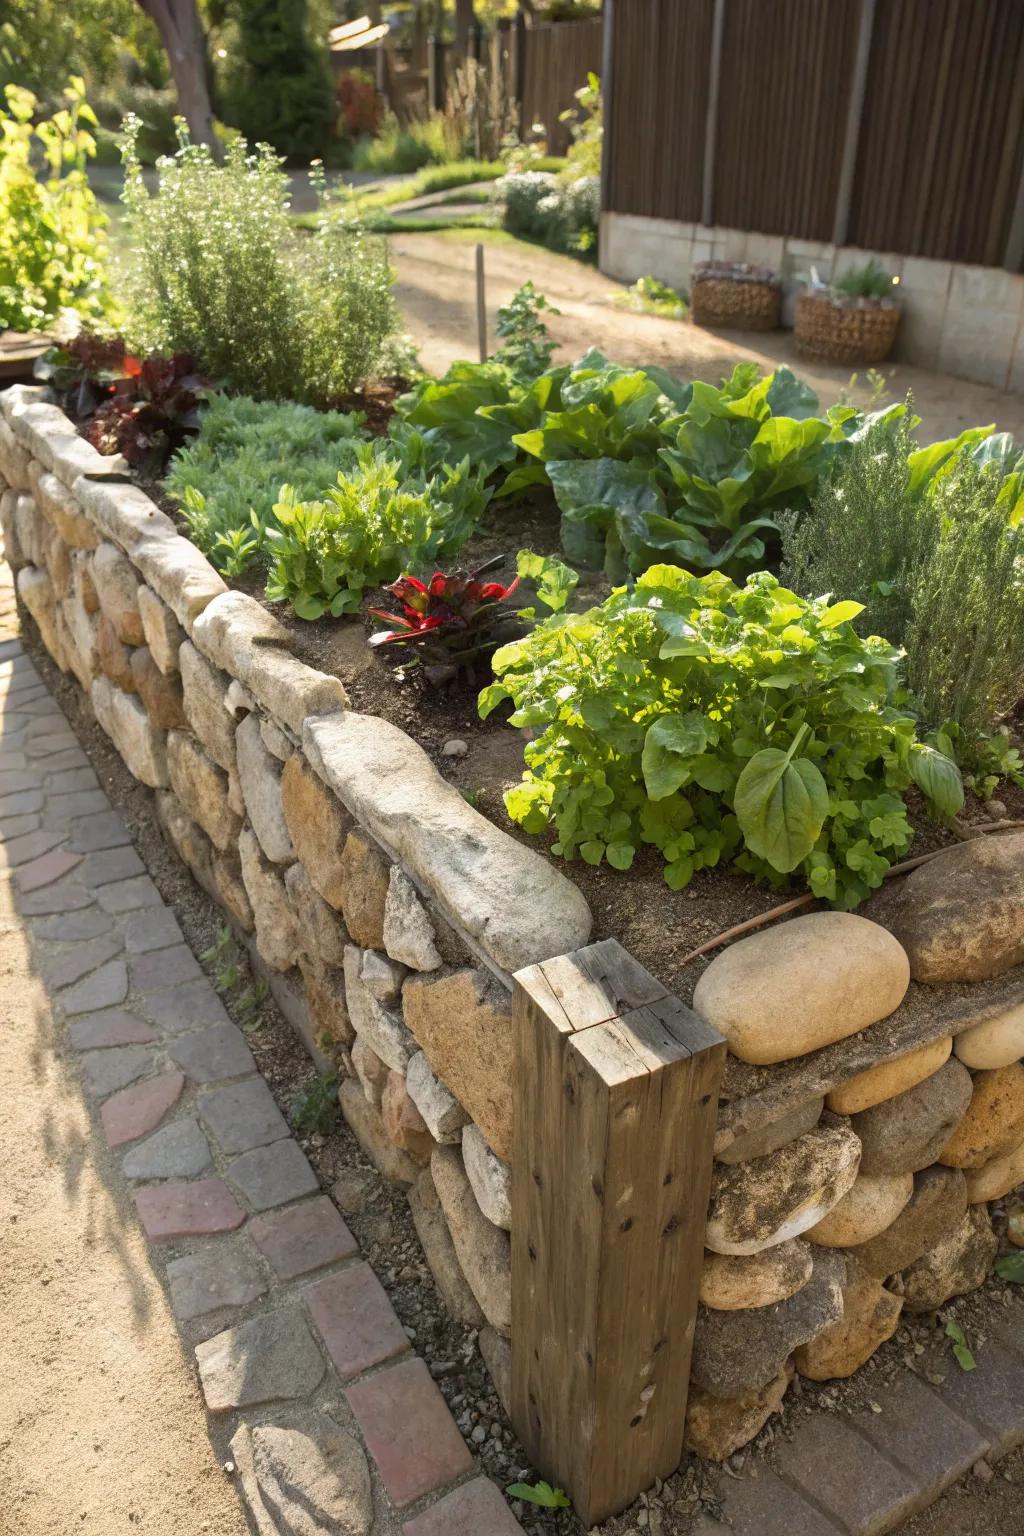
x: 380, y: 520
x: 716, y: 722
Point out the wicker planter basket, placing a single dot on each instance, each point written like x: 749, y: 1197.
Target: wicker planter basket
x: 834, y: 329
x: 735, y: 295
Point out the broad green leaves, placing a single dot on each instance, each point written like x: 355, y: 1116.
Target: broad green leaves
x: 781, y: 803
x: 938, y: 777
x: 670, y: 747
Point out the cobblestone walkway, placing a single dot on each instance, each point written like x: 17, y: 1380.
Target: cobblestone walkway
x: 297, y: 1346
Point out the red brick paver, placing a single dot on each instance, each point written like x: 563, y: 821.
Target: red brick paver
x: 409, y: 1431
x: 136, y: 1111
x: 475, y: 1509
x: 188, y: 1210
x: 303, y: 1238
x: 356, y: 1320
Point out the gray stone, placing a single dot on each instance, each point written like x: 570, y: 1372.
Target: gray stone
x: 309, y: 1480
x: 508, y: 897
x: 153, y: 929
x: 204, y: 691
x: 130, y: 729
x: 107, y: 830
x: 266, y: 1359
x: 276, y: 740
x: 202, y: 788
x: 162, y: 631
x: 277, y: 932
x: 242, y: 1116
x: 769, y: 1138
x: 185, y: 1008
x: 442, y: 1113
x: 105, y: 1071
x: 176, y: 1151
x: 323, y: 932
x: 382, y: 976
x: 439, y: 1252
x: 959, y: 1263
x: 383, y: 1030
x: 79, y: 960
x: 497, y: 1356
x: 231, y: 626
x: 269, y: 1176
x: 739, y: 1352
x: 225, y: 1275
x: 105, y: 988
x: 484, y: 1250
x: 934, y: 1209
x: 760, y: 1204
x: 490, y: 1178
x: 129, y: 895
x: 213, y: 1054
x: 69, y: 926
x: 907, y: 1133
x: 259, y: 774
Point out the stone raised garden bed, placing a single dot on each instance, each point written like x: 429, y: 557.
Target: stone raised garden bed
x: 872, y: 1105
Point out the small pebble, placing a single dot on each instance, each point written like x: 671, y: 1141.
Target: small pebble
x: 454, y: 748
x: 982, y: 1471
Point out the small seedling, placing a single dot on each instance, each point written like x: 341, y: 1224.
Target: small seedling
x: 314, y: 1109
x: 471, y: 797
x: 249, y: 1005
x: 961, y: 1351
x: 221, y: 944
x: 1011, y: 1267
x: 539, y: 1493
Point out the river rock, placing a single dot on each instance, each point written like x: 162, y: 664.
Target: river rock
x: 718, y: 1426
x: 735, y: 1353
x: 870, y: 1316
x: 872, y: 1204
x: 733, y: 1283
x: 995, y: 1179
x: 994, y: 1122
x: 907, y: 1133
x: 995, y: 1043
x: 889, y: 1078
x: 484, y: 1250
x: 956, y: 1265
x: 960, y: 917
x: 763, y: 1203
x: 318, y: 825
x: 768, y: 1138
x: 259, y: 774
x: 463, y: 1020
x: 802, y: 985
x: 935, y: 1208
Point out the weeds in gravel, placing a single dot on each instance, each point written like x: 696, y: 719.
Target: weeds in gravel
x: 314, y: 1109
x: 961, y: 1350
x: 539, y: 1493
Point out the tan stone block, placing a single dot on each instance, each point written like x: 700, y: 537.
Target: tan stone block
x: 318, y: 825
x: 403, y: 1121
x: 889, y: 1078
x: 160, y: 694
x: 994, y: 1122
x: 463, y: 1021
x: 325, y: 997
x: 718, y: 1426
x: 365, y: 874
x: 202, y: 789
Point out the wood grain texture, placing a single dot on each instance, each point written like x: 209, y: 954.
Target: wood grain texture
x: 616, y: 1100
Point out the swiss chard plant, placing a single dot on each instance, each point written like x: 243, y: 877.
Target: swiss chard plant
x: 379, y: 520
x: 86, y: 371
x: 447, y: 623
x: 719, y: 722
x: 156, y: 417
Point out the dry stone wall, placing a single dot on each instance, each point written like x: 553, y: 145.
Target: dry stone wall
x: 873, y: 1101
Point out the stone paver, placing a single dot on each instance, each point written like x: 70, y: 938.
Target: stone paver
x: 357, y: 1322
x: 65, y: 897
x: 472, y: 1510
x: 220, y: 1276
x: 79, y: 961
x: 98, y: 1031
x: 160, y: 968
x: 105, y: 988
x: 213, y: 1054
x: 136, y: 1111
x: 242, y: 1116
x: 188, y: 1210
x: 409, y: 1431
x: 109, y: 865
x: 176, y: 1151
x: 74, y: 926
x: 19, y: 804
x: 127, y: 895
x: 105, y: 1071
x: 264, y: 1360
x: 917, y: 1431
x: 185, y: 1008
x: 837, y: 1469
x: 32, y: 845
x: 990, y: 1397
x: 303, y: 1238
x: 44, y: 871
x: 769, y: 1507
x: 107, y: 830
x: 155, y: 928
x: 274, y: 1175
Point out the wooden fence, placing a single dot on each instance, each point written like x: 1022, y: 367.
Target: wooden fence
x: 895, y: 125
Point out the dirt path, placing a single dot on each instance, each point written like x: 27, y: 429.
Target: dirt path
x: 436, y: 293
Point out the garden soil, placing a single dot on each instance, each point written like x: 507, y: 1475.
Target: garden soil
x: 102, y: 1427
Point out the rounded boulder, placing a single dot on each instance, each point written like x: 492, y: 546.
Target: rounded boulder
x: 905, y: 1134
x: 802, y: 986
x: 871, y: 1205
x: 770, y: 1200
x: 995, y: 1043
x: 889, y: 1078
x: 731, y: 1283
x: 994, y: 1122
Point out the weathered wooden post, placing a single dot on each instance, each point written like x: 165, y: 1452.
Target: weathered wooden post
x: 616, y: 1102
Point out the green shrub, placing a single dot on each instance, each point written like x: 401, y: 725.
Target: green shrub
x: 718, y: 722
x: 229, y: 478
x: 218, y: 271
x: 587, y: 119
x: 930, y: 541
x: 870, y: 281
x: 277, y: 87
x: 388, y: 515
x: 402, y: 148
x: 52, y: 243
x: 526, y: 345
x: 557, y: 212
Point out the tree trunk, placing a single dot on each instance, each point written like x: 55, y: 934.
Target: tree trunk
x: 181, y: 33
x: 465, y: 20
